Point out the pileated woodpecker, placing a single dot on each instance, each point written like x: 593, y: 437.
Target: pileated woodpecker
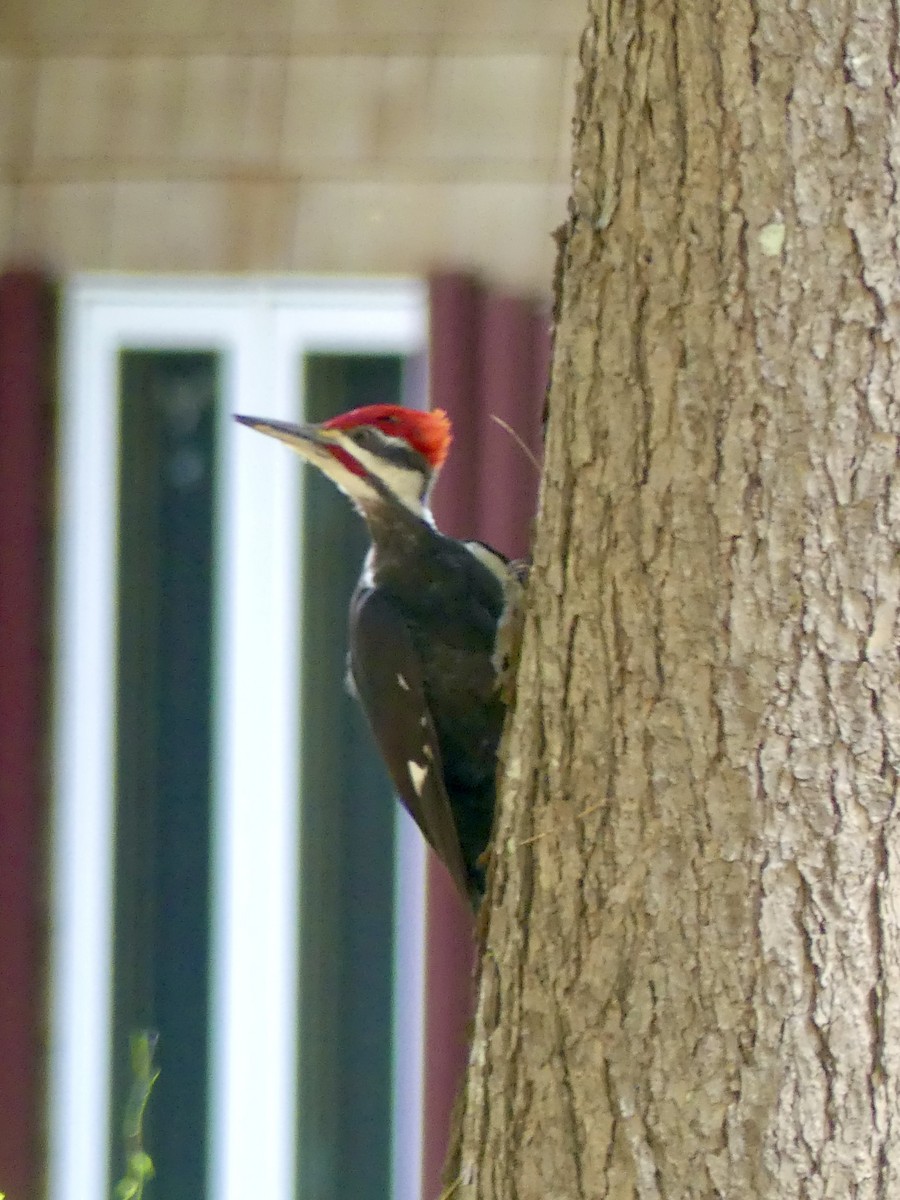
x: 423, y: 625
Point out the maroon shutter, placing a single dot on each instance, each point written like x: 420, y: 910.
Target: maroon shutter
x: 26, y: 326
x: 507, y: 478
x: 488, y: 356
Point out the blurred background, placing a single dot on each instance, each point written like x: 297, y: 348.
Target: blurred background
x: 287, y: 209
x: 286, y: 135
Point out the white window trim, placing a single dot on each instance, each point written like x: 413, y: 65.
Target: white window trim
x: 262, y: 328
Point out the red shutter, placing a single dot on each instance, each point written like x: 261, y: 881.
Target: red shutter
x: 26, y: 488
x: 488, y: 357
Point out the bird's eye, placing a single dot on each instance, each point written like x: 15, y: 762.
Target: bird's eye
x: 366, y: 437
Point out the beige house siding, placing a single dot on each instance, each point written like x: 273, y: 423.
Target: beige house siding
x: 323, y: 135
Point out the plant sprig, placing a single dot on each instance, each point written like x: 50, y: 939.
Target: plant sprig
x: 144, y: 1071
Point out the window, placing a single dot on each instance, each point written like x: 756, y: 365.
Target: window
x: 217, y: 799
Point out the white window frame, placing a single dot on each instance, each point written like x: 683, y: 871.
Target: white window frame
x: 262, y: 327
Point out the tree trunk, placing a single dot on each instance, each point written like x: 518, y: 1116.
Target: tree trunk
x: 690, y: 984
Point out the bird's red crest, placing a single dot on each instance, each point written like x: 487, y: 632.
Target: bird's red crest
x: 427, y: 432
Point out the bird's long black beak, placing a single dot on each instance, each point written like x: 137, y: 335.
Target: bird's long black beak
x: 302, y: 438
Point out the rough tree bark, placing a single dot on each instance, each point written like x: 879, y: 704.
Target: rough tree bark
x: 690, y: 984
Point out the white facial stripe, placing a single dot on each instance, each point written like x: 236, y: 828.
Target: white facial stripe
x: 405, y: 482
x: 357, y: 489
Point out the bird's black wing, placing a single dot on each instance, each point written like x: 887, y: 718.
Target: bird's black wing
x: 387, y: 676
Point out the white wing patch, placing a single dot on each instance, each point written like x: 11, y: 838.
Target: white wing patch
x: 417, y: 774
x: 489, y: 558
x: 402, y: 682
x: 367, y: 579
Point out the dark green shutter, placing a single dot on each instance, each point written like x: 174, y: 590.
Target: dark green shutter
x: 163, y: 766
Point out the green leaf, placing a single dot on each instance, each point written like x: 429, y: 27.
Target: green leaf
x: 140, y: 1165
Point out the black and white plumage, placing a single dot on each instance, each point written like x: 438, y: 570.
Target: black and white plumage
x: 423, y: 626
